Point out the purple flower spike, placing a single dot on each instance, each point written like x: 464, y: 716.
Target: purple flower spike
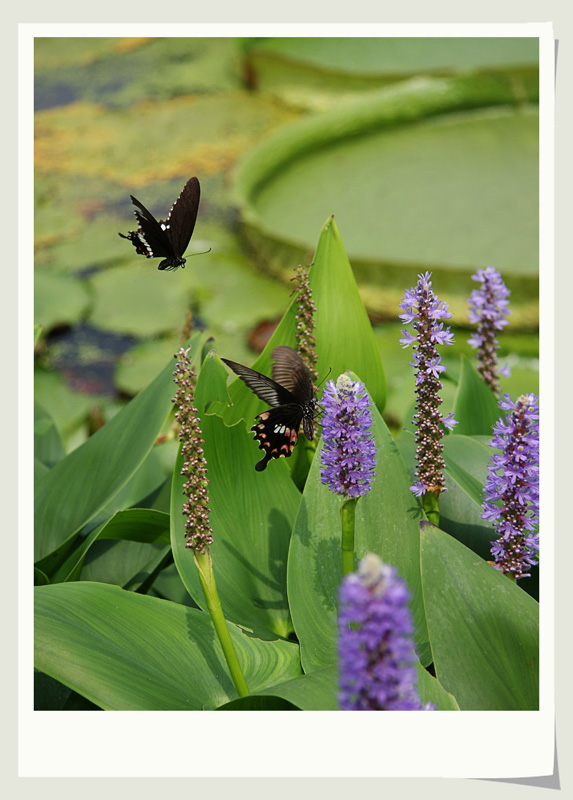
x: 512, y: 487
x: 348, y: 452
x: 375, y: 650
x: 489, y: 308
x: 422, y: 308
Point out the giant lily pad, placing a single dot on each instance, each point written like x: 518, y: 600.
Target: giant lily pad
x: 310, y: 71
x: 429, y: 174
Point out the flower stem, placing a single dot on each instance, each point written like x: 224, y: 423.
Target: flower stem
x: 204, y: 566
x: 430, y: 504
x: 347, y: 516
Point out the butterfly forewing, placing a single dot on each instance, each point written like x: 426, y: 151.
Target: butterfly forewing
x: 291, y: 372
x: 265, y: 388
x: 290, y: 392
x: 181, y: 220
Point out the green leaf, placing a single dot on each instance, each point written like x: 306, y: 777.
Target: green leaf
x: 135, y: 525
x: 430, y: 690
x: 387, y: 523
x: 314, y: 692
x: 476, y: 408
x: 467, y: 460
x: 130, y: 565
x: 344, y: 337
x: 252, y: 514
x: 40, y: 578
x: 484, y: 630
x: 81, y: 484
x: 318, y: 691
x: 127, y: 651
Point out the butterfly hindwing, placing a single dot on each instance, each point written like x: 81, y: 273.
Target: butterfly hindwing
x: 291, y: 393
x: 277, y: 432
x: 156, y: 241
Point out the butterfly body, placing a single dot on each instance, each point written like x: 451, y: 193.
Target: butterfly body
x: 167, y: 239
x: 291, y: 393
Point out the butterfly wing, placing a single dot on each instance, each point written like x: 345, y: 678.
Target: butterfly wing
x: 277, y: 428
x: 180, y: 222
x: 291, y: 372
x: 150, y: 239
x: 277, y: 432
x: 264, y: 387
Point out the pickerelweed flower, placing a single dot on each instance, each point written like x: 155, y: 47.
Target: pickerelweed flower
x: 348, y: 453
x: 305, y: 339
x: 196, y: 506
x: 511, y: 489
x: 422, y: 308
x: 376, y: 655
x: 489, y: 308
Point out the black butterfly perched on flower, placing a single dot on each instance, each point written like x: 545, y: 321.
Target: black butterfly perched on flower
x: 167, y: 239
x: 291, y: 392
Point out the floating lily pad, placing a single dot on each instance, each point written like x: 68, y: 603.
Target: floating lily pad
x: 316, y: 71
x: 140, y: 300
x: 59, y: 300
x: 412, y: 188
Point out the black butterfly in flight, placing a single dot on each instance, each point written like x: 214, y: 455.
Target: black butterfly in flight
x: 291, y: 393
x: 167, y: 239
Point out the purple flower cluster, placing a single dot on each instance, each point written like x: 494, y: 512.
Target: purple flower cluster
x: 489, y: 308
x: 349, y: 452
x: 512, y: 486
x: 376, y: 655
x: 422, y: 308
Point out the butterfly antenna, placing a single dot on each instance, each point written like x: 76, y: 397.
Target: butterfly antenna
x: 202, y: 253
x: 325, y: 377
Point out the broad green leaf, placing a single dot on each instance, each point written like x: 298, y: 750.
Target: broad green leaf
x: 344, y: 336
x: 318, y: 691
x: 430, y: 690
x: 314, y: 692
x: 131, y: 565
x: 81, y: 484
x: 127, y: 651
x: 476, y: 408
x: 466, y: 460
x: 387, y: 523
x: 169, y: 586
x: 484, y: 630
x: 139, y: 525
x: 40, y: 578
x: 252, y: 514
